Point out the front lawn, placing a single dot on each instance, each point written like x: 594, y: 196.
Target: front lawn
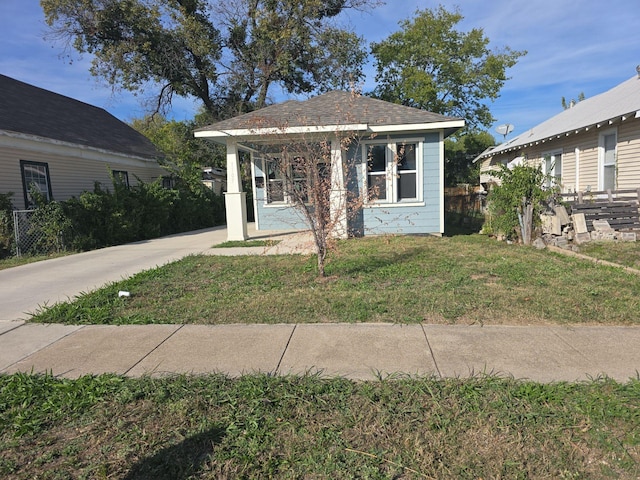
x: 215, y: 427
x: 407, y: 279
x: 622, y: 253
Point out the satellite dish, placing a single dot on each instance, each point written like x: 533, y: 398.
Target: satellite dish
x: 505, y: 129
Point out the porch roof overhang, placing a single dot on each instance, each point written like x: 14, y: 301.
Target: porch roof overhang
x: 332, y: 112
x: 275, y: 134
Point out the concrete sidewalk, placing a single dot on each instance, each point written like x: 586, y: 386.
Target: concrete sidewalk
x: 356, y: 351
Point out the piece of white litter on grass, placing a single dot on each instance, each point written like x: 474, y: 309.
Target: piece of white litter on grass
x: 123, y: 293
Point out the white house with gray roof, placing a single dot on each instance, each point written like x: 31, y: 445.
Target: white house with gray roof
x: 592, y: 146
x: 63, y: 146
x: 409, y: 195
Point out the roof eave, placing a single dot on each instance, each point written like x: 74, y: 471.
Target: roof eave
x: 247, y: 134
x: 79, y: 146
x: 602, y: 123
x: 253, y: 133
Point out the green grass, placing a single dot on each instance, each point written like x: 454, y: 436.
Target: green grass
x: 407, y: 279
x: 247, y: 243
x: 622, y: 253
x: 26, y: 259
x: 306, y: 427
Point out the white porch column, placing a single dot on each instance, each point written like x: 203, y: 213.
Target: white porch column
x: 338, y: 195
x: 235, y: 198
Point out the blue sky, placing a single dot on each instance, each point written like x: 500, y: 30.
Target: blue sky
x: 573, y: 46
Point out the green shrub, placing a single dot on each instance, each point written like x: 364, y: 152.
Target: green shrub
x: 146, y: 210
x: 7, y: 238
x: 521, y: 185
x: 49, y: 227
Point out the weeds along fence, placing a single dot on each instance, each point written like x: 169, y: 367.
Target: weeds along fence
x: 32, y: 237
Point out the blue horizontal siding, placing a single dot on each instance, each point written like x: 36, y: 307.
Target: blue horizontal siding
x: 373, y: 219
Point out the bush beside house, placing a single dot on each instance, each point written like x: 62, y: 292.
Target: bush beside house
x: 105, y: 217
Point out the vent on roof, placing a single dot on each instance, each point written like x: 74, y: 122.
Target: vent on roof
x: 638, y: 70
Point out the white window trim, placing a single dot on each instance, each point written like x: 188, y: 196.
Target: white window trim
x: 553, y: 154
x: 48, y: 193
x: 267, y: 203
x: 392, y: 173
x: 601, y: 164
x: 287, y: 202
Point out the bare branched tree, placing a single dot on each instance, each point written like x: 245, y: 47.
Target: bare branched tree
x: 310, y: 172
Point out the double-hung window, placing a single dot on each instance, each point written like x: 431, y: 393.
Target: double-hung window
x: 407, y: 166
x: 275, y: 181
x: 35, y: 178
x: 299, y: 178
x: 121, y: 176
x: 608, y: 141
x: 393, y: 172
x: 377, y: 172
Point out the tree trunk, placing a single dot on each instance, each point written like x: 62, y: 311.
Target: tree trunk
x: 526, y: 221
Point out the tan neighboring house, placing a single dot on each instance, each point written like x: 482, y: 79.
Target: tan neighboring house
x: 592, y: 146
x: 62, y: 146
x: 215, y: 179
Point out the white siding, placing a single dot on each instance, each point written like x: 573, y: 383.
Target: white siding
x: 628, y: 156
x: 628, y: 151
x: 71, y: 170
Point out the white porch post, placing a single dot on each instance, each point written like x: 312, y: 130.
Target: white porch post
x: 338, y: 195
x: 235, y: 198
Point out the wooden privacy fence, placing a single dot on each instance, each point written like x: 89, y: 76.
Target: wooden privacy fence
x: 467, y: 200
x: 618, y: 207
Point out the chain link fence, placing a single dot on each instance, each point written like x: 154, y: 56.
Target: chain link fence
x: 31, y: 236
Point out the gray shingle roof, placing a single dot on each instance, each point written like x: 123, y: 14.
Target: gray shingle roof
x: 29, y: 110
x: 333, y: 108
x: 622, y: 100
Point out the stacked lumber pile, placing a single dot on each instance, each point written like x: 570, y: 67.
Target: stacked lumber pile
x: 621, y: 216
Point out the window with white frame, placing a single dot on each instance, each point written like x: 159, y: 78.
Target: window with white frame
x: 284, y: 183
x: 393, y: 171
x: 553, y: 169
x: 299, y: 178
x: 35, y: 178
x: 275, y: 181
x: 607, y: 152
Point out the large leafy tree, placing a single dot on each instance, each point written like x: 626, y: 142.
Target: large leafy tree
x: 460, y: 151
x: 176, y: 141
x: 227, y: 54
x: 430, y: 64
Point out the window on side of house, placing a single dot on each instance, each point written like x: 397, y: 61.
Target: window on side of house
x: 35, y: 177
x: 299, y: 177
x: 553, y: 168
x: 377, y: 172
x: 407, y: 165
x: 608, y: 174
x: 393, y: 172
x: 121, y: 176
x: 275, y: 181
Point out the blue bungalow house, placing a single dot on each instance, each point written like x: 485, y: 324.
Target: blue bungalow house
x: 409, y: 194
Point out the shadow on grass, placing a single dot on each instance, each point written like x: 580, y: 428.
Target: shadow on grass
x: 458, y: 224
x: 371, y: 262
x: 179, y: 461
